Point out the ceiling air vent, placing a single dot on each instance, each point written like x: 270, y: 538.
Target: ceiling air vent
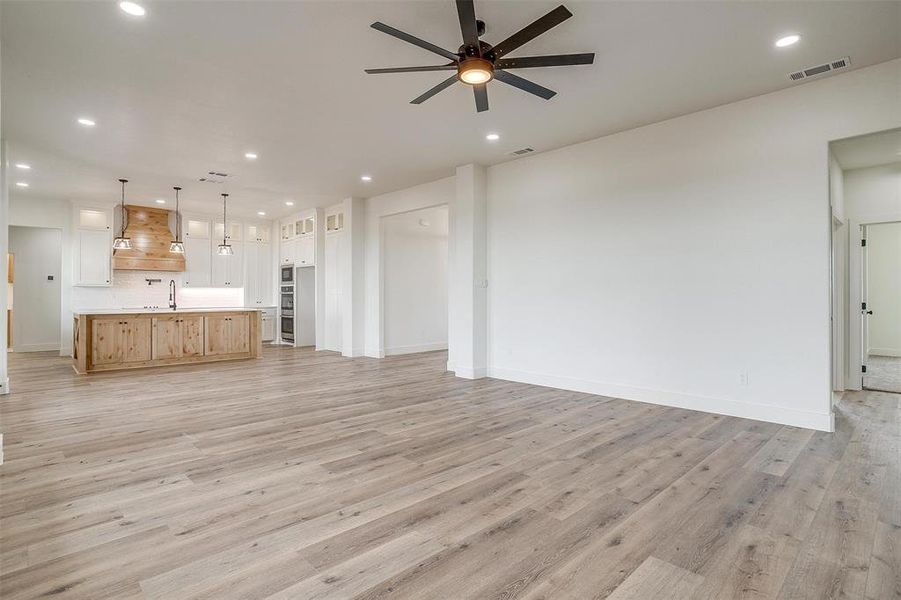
x: 213, y: 177
x: 522, y: 151
x: 835, y: 65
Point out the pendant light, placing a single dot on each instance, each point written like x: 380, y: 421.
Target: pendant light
x: 177, y: 245
x: 224, y: 248
x: 122, y: 242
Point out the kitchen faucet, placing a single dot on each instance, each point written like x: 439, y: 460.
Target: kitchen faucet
x: 172, y: 304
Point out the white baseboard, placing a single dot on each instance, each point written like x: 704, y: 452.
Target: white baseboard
x: 4, y: 385
x: 374, y: 353
x: 35, y: 347
x: 414, y: 349
x: 353, y: 353
x: 467, y: 373
x: 885, y: 352
x: 733, y: 408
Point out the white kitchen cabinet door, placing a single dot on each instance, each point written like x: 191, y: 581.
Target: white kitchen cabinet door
x: 251, y: 280
x: 264, y: 276
x: 228, y: 270
x: 197, y: 261
x: 94, y: 254
x: 286, y: 252
x: 304, y: 252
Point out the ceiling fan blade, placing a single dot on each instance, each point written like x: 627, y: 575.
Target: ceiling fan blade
x: 414, y: 40
x: 412, y: 69
x: 481, y: 93
x: 532, y: 31
x: 467, y: 13
x: 443, y: 85
x: 555, y: 60
x: 524, y: 84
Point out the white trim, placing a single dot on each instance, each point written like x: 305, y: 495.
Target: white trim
x: 722, y: 406
x: 466, y: 373
x: 354, y: 353
x: 884, y: 351
x: 415, y: 348
x: 4, y: 386
x: 36, y: 347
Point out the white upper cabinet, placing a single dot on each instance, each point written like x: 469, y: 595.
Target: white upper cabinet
x: 288, y: 230
x: 228, y: 269
x: 334, y: 222
x: 197, y: 261
x: 93, y: 242
x: 303, y: 253
x: 286, y: 252
x: 258, y: 279
x: 233, y: 233
x: 197, y: 228
x: 94, y: 218
x: 258, y: 232
x: 93, y: 257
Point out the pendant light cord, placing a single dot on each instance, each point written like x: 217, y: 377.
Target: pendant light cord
x: 124, y: 215
x: 224, y: 200
x: 177, y: 217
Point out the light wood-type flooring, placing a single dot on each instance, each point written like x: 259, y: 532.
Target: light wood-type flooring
x: 308, y: 476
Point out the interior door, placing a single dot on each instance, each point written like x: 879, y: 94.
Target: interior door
x: 865, y: 310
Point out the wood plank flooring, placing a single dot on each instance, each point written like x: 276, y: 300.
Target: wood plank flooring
x: 310, y: 476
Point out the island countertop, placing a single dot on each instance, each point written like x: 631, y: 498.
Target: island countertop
x: 155, y: 311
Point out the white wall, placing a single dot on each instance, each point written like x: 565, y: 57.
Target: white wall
x: 436, y: 193
x: 36, y: 291
x: 686, y: 262
x: 415, y: 280
x: 873, y: 193
x: 839, y: 259
x: 884, y: 289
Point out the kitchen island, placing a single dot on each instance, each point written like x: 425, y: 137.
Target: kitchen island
x: 111, y: 339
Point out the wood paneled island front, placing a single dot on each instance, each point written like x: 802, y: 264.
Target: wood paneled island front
x: 125, y: 339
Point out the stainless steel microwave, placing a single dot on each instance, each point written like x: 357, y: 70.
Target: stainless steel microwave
x: 287, y: 274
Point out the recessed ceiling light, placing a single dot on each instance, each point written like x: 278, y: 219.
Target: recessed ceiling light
x: 492, y: 137
x: 366, y: 178
x: 788, y: 40
x: 250, y: 155
x: 86, y: 122
x: 160, y: 201
x: 21, y: 184
x: 23, y: 166
x: 289, y: 203
x: 261, y: 213
x: 133, y: 8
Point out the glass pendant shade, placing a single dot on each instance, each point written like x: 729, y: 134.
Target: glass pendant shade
x: 121, y: 242
x: 177, y: 246
x: 224, y: 249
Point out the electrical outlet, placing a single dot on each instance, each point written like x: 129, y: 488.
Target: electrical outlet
x: 744, y: 378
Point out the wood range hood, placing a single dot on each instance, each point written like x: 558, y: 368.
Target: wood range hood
x: 148, y: 229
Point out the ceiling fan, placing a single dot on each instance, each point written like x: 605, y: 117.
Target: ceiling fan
x: 477, y: 62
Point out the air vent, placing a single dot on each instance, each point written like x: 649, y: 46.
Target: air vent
x: 213, y: 177
x: 835, y: 65
x: 522, y: 151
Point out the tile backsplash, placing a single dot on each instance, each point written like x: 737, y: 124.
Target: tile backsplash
x: 130, y: 290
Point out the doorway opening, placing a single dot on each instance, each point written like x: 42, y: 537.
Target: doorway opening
x: 415, y: 281
x: 881, y: 306
x: 865, y: 198
x: 34, y: 290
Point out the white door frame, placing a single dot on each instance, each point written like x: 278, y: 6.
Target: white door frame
x: 855, y: 279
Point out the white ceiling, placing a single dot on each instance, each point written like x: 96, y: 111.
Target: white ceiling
x: 194, y: 85
x: 871, y: 150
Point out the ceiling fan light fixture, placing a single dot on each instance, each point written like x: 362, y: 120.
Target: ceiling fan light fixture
x: 476, y: 71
